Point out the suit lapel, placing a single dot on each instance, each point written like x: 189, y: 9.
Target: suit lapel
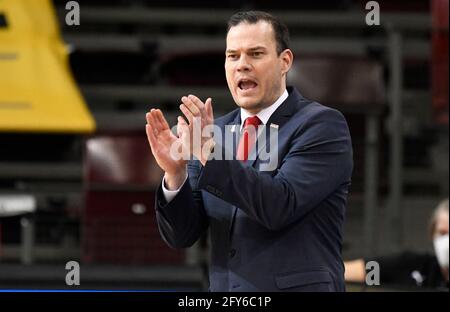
x: 279, y: 118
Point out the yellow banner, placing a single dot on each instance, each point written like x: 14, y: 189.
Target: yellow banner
x: 37, y: 90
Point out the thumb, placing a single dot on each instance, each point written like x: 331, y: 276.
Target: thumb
x: 209, y: 110
x: 181, y: 126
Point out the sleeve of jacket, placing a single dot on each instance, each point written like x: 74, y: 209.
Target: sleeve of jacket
x: 182, y: 221
x: 318, y: 161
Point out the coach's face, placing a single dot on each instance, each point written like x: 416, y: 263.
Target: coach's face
x: 256, y: 74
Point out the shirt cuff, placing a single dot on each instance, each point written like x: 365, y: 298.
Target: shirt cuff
x: 170, y: 195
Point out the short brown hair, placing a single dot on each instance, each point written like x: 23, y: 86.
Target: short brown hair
x: 252, y: 17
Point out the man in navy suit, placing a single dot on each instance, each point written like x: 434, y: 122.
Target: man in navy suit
x: 271, y: 230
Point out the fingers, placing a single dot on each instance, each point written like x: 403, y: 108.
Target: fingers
x: 197, y: 108
x: 187, y: 113
x: 181, y: 121
x: 189, y: 104
x: 181, y: 124
x: 151, y: 123
x: 150, y: 136
x: 162, y: 121
x: 147, y: 117
x: 192, y: 108
x: 154, y: 120
x: 153, y: 127
x: 195, y: 105
x: 209, y: 110
x: 197, y: 102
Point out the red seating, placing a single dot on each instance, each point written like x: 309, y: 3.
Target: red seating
x: 355, y: 86
x: 119, y: 225
x: 343, y: 81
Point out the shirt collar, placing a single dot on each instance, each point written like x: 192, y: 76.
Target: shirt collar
x: 265, y: 114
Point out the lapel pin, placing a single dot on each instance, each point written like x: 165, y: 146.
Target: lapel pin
x: 274, y: 126
x: 233, y: 128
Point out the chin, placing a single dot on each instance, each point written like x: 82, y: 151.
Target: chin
x: 247, y: 103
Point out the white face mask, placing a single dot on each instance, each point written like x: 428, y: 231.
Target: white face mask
x: 441, y: 250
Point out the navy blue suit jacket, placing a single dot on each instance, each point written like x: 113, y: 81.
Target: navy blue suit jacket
x: 278, y: 230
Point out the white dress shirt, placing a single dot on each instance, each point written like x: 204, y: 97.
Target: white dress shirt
x: 263, y: 115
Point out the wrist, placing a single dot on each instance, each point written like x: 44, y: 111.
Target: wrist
x: 173, y: 181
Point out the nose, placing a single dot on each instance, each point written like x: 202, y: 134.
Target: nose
x: 243, y: 64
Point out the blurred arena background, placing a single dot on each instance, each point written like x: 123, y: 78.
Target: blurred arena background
x: 77, y: 178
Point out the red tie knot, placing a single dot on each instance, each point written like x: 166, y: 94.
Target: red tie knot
x: 252, y: 121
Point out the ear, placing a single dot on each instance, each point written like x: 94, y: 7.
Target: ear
x: 286, y: 59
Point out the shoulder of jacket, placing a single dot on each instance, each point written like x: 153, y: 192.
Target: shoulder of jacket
x: 227, y: 118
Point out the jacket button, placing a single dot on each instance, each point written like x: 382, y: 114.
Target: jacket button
x: 232, y: 252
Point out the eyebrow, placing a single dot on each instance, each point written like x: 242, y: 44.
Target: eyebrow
x: 251, y: 49
x: 257, y: 48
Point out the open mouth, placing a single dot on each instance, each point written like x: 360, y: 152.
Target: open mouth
x: 247, y: 84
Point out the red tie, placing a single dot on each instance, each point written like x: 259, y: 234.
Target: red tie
x: 248, y: 139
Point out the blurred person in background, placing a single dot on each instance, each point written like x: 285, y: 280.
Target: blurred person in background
x: 411, y: 268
